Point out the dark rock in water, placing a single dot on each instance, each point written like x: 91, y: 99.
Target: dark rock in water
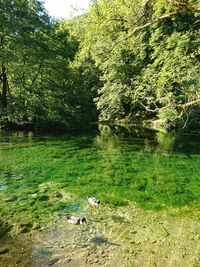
x: 36, y: 226
x: 67, y: 261
x: 25, y: 230
x: 52, y: 262
x: 11, y: 199
x: 58, y: 195
x: 3, y: 250
x: 4, y: 228
x: 26, y: 223
x: 43, y: 198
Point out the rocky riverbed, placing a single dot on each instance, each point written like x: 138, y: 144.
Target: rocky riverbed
x: 125, y: 236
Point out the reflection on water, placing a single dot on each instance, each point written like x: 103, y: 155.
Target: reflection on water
x: 46, y: 176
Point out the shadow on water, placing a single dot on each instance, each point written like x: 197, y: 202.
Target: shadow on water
x: 152, y: 140
x: 52, y: 262
x: 121, y: 219
x: 100, y: 240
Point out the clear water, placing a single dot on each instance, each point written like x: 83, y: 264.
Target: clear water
x: 156, y: 170
x: 139, y: 175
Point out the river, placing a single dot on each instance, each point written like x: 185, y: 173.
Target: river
x: 148, y: 183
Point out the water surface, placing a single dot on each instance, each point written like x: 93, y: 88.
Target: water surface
x: 44, y: 176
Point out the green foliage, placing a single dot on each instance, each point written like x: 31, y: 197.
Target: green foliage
x: 43, y: 87
x: 148, y: 57
x: 126, y: 60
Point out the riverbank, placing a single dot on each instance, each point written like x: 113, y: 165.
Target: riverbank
x: 123, y: 236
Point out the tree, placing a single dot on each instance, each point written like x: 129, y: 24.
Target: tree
x: 137, y: 61
x: 148, y: 56
x: 21, y: 23
x: 39, y: 83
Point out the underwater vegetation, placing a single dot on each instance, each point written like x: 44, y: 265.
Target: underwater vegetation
x: 40, y: 175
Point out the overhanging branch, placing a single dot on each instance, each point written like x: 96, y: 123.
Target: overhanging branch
x: 181, y: 106
x: 192, y: 103
x: 170, y: 15
x: 182, y: 9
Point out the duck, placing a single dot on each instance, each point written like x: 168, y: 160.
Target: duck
x: 75, y: 220
x: 93, y: 201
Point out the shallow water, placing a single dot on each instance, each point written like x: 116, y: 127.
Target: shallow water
x: 43, y: 177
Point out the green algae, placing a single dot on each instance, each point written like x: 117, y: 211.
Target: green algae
x: 40, y: 175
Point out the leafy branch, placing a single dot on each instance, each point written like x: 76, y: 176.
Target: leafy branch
x: 182, y: 9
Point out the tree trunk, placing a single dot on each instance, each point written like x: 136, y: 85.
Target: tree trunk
x: 4, y: 87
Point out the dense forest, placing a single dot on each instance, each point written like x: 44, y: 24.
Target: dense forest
x: 133, y: 62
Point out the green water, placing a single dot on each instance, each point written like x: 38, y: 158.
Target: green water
x: 41, y: 174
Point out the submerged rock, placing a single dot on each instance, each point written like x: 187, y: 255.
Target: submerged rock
x: 4, y: 250
x: 36, y: 226
x: 43, y: 198
x: 52, y: 262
